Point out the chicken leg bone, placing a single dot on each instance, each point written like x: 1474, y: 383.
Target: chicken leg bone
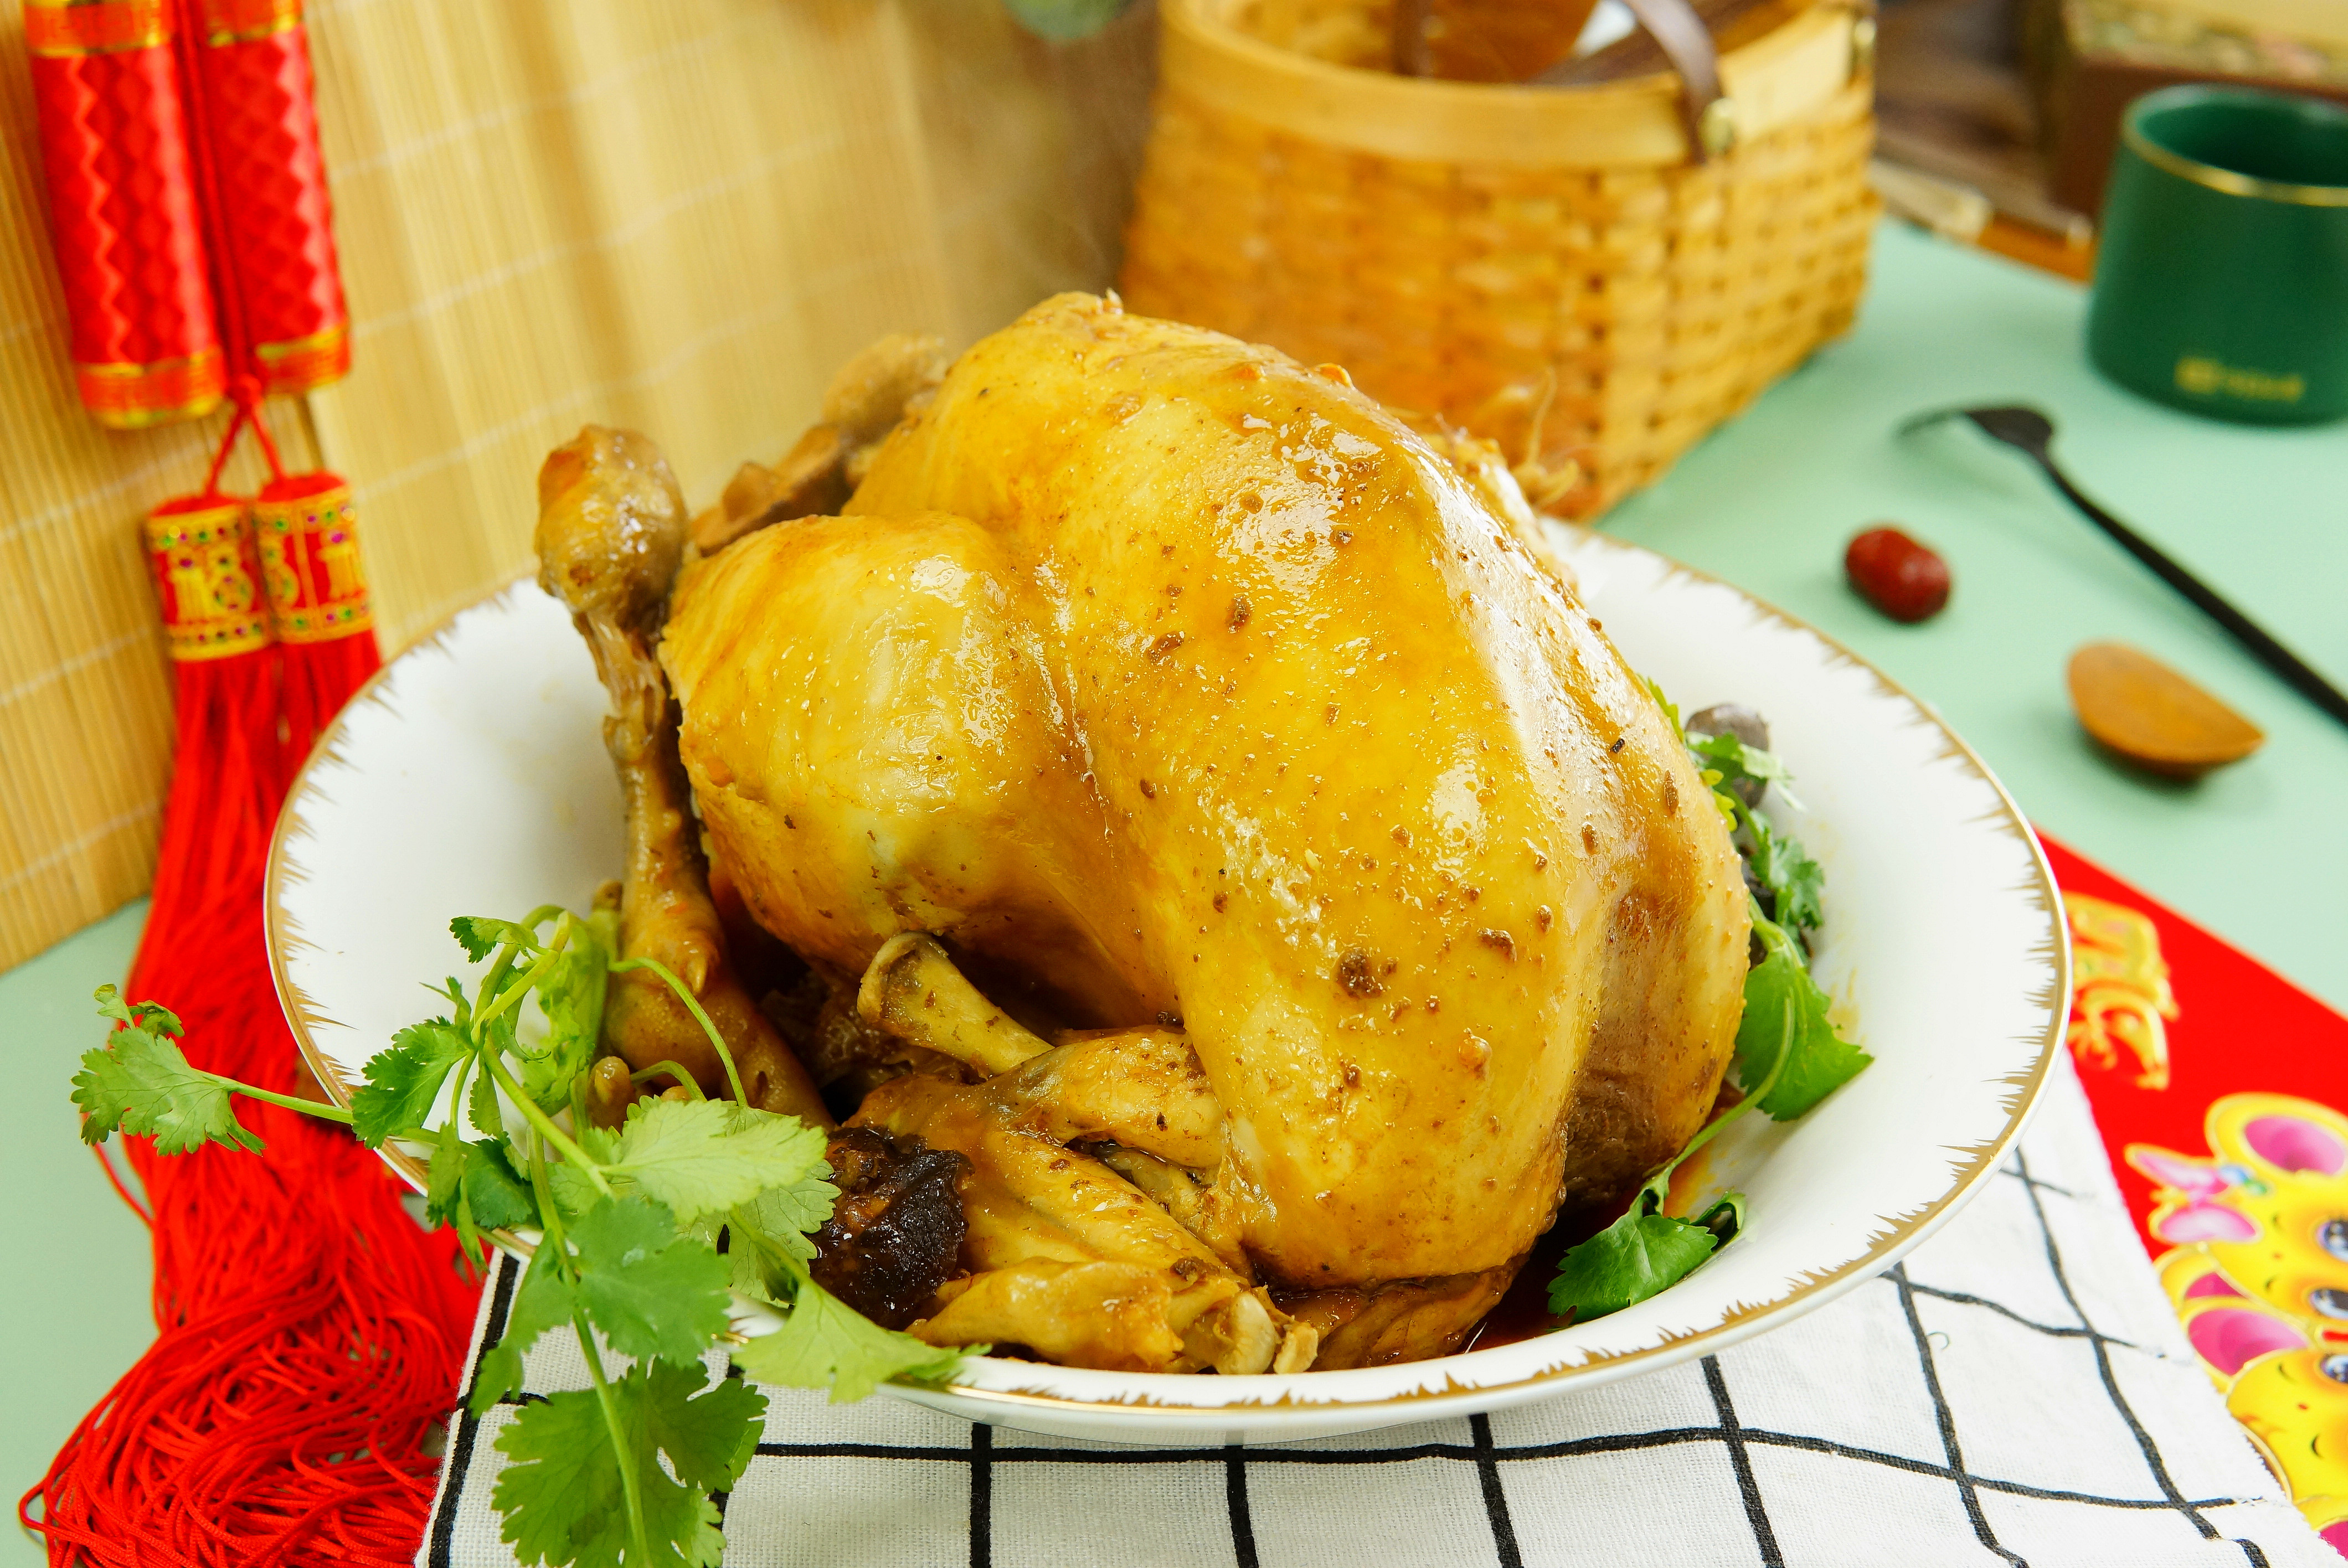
x: 913, y: 991
x: 611, y: 534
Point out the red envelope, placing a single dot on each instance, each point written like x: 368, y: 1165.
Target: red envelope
x: 2219, y: 1087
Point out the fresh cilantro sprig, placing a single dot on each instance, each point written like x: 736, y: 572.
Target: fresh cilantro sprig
x: 1797, y: 887
x: 1787, y: 1058
x: 631, y: 1221
x: 140, y: 1082
x: 1784, y: 870
x: 1734, y: 762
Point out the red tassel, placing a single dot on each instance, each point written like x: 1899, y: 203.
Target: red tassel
x: 226, y: 776
x: 311, y: 1335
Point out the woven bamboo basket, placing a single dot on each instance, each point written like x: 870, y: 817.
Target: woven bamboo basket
x: 1593, y: 277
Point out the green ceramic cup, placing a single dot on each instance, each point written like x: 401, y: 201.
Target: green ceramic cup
x: 2222, y: 280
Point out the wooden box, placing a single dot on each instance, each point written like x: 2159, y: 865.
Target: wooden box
x: 2089, y: 59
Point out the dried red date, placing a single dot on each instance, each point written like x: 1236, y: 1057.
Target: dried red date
x: 1904, y: 579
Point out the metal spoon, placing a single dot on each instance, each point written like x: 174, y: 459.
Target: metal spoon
x: 2029, y: 432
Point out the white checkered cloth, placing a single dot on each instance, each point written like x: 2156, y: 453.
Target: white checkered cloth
x: 2017, y: 1391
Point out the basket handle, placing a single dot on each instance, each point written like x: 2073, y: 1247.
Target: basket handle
x: 1686, y: 42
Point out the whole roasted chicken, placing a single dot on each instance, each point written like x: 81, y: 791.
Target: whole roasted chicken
x: 1193, y: 805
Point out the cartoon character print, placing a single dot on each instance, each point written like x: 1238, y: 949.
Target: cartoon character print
x: 2259, y: 1276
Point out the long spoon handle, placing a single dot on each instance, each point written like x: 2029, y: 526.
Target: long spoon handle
x: 2245, y: 630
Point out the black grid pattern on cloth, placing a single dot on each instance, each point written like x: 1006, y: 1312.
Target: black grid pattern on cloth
x: 987, y: 1462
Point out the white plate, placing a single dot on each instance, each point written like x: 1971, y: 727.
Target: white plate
x: 470, y: 779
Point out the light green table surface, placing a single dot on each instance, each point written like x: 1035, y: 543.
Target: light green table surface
x: 73, y: 1287
x: 2259, y: 852
x: 2256, y: 852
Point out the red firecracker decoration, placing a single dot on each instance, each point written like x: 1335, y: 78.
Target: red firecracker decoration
x: 123, y: 208
x: 273, y: 243
x: 187, y: 201
x: 310, y: 1333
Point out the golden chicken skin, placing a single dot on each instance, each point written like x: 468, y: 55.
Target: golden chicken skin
x: 1287, y: 897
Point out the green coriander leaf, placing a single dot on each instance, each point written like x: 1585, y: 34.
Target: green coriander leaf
x: 571, y: 997
x: 767, y: 1245
x: 791, y: 1214
x: 1724, y: 1218
x: 481, y: 1105
x: 104, y: 1091
x: 825, y: 1343
x: 153, y: 1016
x: 650, y: 1290
x: 705, y: 1156
x: 404, y: 1081
x: 562, y: 1499
x: 111, y: 1004
x: 683, y: 1521
x: 443, y: 1181
x: 497, y: 1034
x: 1727, y: 805
x: 1737, y: 762
x: 748, y: 1274
x: 455, y: 992
x: 1785, y: 1013
x: 708, y: 1230
x: 574, y: 1194
x: 498, y: 1196
x: 544, y: 1301
x: 498, y: 1377
x: 546, y: 1076
x: 1797, y: 887
x: 1671, y: 709
x: 709, y: 1439
x: 784, y: 1217
x: 481, y: 935
x: 1639, y: 1256
x: 140, y: 1084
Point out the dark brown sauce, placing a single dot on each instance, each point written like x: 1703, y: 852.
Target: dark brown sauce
x: 1523, y: 1313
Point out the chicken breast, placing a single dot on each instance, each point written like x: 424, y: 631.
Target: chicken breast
x: 1169, y: 683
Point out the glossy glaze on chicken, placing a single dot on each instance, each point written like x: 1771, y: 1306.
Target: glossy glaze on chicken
x: 1235, y: 845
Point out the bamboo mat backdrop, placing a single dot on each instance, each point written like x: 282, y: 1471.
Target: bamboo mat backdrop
x: 680, y: 217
